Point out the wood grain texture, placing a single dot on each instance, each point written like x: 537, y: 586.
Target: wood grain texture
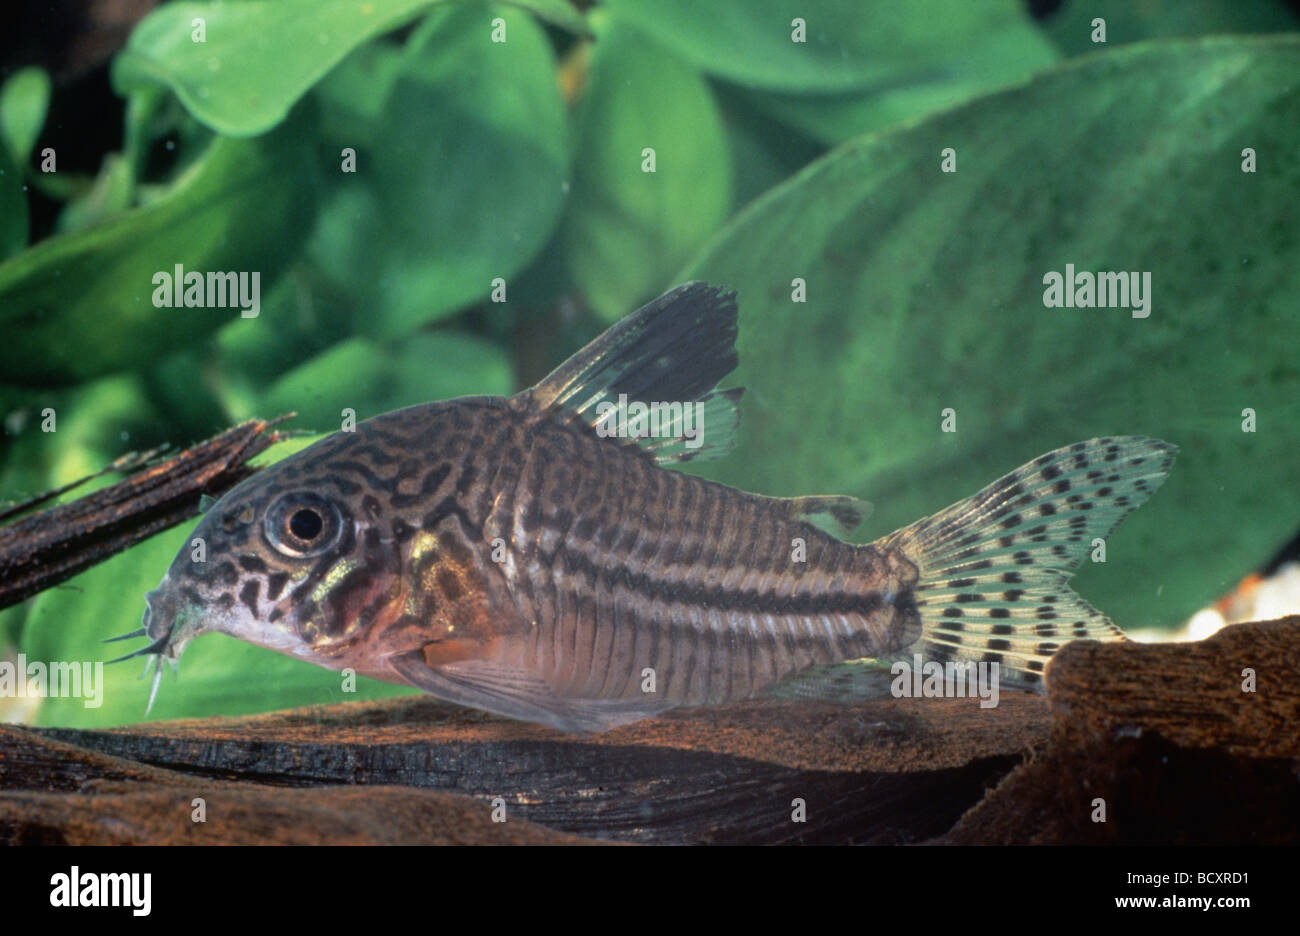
x: 1166, y: 736
x: 43, y: 549
x: 892, y: 771
x: 1161, y: 732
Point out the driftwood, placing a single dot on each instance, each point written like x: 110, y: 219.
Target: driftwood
x: 1165, y: 734
x: 49, y: 547
x: 1162, y: 733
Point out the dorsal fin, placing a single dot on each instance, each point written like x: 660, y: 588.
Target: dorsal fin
x: 674, y: 349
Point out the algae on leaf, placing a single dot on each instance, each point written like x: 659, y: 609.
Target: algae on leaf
x: 925, y: 293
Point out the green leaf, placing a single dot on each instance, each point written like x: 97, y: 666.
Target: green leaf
x: 87, y: 428
x: 180, y: 390
x: 460, y: 178
x: 259, y: 57
x: 24, y: 102
x: 561, y: 13
x: 1071, y: 25
x: 78, y: 305
x: 764, y: 151
x: 110, y: 195
x: 370, y: 378
x: 847, y: 46
x: 627, y: 229
x: 298, y: 320
x: 925, y: 291
x: 13, y: 206
x: 96, y: 423
x: 11, y: 627
x: 28, y: 453
x: 1000, y: 45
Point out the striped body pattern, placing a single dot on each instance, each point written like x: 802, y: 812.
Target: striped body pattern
x: 631, y: 567
x: 503, y: 554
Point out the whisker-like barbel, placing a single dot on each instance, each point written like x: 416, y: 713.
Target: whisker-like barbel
x: 155, y: 648
x: 138, y: 632
x: 157, y: 681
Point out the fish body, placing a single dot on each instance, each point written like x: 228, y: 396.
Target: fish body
x: 512, y: 555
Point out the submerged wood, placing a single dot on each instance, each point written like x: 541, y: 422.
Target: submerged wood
x: 1162, y: 732
x: 43, y: 549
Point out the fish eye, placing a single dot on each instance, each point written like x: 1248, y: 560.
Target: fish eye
x: 302, y: 524
x: 306, y: 524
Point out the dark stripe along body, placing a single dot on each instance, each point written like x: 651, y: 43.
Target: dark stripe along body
x: 606, y: 564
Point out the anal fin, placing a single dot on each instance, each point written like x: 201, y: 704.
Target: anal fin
x: 850, y: 681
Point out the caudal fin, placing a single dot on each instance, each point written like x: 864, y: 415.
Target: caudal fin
x: 994, y: 567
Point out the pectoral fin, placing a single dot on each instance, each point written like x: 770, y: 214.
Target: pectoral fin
x: 517, y: 693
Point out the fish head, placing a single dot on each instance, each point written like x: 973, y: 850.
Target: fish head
x: 285, y: 560
x: 238, y: 570
x: 336, y: 555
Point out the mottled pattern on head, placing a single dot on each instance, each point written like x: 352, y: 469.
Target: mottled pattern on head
x: 308, y: 555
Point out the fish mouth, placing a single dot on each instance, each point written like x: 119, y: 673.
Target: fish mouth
x: 169, y: 628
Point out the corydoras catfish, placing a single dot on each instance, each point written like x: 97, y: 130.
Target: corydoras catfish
x: 532, y: 556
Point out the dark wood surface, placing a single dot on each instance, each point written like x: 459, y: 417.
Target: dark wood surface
x: 45, y: 548
x: 1163, y: 733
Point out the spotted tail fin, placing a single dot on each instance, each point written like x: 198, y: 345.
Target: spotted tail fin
x: 994, y: 567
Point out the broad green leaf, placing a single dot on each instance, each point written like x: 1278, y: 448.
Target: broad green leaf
x: 925, y: 292
x: 370, y: 378
x: 298, y: 320
x: 764, y: 151
x: 561, y: 13
x: 110, y: 195
x: 1001, y: 47
x: 55, y: 437
x: 847, y: 45
x: 180, y: 388
x: 355, y: 94
x: 78, y: 305
x: 628, y: 228
x: 1071, y: 26
x: 258, y: 57
x: 290, y: 446
x: 459, y: 180
x: 11, y: 628
x: 96, y: 423
x: 27, y: 455
x: 24, y: 102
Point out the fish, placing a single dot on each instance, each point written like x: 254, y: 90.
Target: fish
x: 535, y: 557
